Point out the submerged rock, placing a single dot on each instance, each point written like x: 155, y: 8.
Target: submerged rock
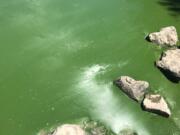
x: 167, y: 36
x: 156, y: 103
x: 170, y: 62
x: 96, y: 128
x: 43, y: 132
x: 85, y: 126
x: 69, y: 129
x: 127, y: 132
x: 134, y: 89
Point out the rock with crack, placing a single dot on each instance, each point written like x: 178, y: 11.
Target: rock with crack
x: 133, y: 88
x: 69, y: 129
x: 170, y: 62
x: 166, y: 37
x: 155, y: 103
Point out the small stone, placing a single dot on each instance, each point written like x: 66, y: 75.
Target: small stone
x: 166, y: 37
x: 156, y: 103
x: 134, y: 89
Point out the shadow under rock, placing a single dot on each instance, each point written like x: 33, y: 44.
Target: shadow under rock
x: 169, y: 75
x: 158, y: 112
x: 172, y: 5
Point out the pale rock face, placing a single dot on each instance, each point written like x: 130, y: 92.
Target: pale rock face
x: 167, y: 36
x: 156, y: 103
x: 134, y: 89
x: 68, y: 129
x: 170, y: 61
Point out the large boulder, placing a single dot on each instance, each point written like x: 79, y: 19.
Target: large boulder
x: 166, y: 37
x: 68, y: 129
x: 170, y: 62
x: 134, y: 89
x: 156, y: 103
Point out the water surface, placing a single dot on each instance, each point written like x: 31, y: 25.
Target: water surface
x: 59, y: 57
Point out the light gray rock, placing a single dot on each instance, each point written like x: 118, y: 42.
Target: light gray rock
x: 134, y: 89
x: 69, y: 129
x: 156, y: 103
x: 166, y: 37
x: 170, y: 61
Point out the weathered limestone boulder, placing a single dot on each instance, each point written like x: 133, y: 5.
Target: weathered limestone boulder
x: 68, y: 129
x: 134, y: 89
x: 156, y: 103
x: 166, y: 37
x: 170, y: 62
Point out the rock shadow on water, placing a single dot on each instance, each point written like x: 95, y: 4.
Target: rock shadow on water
x: 147, y: 38
x: 172, y: 5
x: 169, y: 75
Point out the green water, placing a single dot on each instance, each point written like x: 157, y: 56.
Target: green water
x: 58, y: 59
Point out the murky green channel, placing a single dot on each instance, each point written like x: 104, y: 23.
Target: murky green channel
x: 58, y: 59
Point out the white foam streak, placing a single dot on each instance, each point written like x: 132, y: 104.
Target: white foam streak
x: 105, y: 103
